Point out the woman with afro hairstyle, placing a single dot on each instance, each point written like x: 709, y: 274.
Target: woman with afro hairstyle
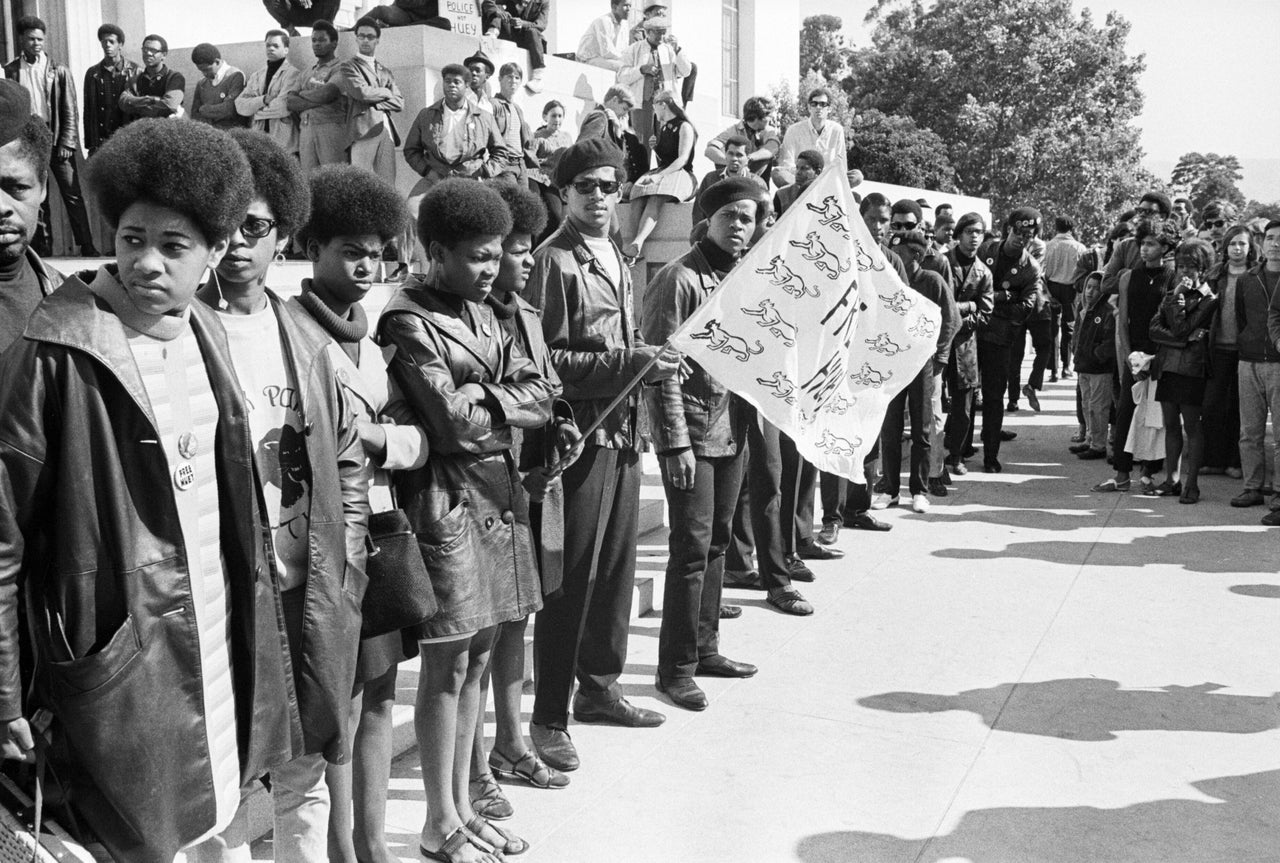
x: 129, y: 519
x: 470, y: 388
x: 538, y: 449
x: 313, y: 481
x: 1183, y: 331
x: 354, y: 214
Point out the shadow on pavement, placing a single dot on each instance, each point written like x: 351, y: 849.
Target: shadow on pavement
x: 1241, y: 824
x: 1259, y: 591
x: 1251, y: 551
x: 1090, y: 709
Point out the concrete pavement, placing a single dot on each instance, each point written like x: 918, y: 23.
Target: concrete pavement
x: 1029, y: 673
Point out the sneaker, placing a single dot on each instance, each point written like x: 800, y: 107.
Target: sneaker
x: 884, y: 501
x: 919, y: 503
x: 534, y: 84
x: 937, y: 488
x: 1032, y: 398
x: 1078, y: 437
x: 830, y: 532
x: 957, y: 468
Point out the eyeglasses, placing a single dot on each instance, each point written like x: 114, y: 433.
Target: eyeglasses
x: 819, y: 104
x: 1219, y: 223
x: 257, y: 228
x: 903, y: 226
x: 586, y: 187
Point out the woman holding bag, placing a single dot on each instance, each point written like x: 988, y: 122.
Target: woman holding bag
x: 354, y: 214
x: 1183, y: 332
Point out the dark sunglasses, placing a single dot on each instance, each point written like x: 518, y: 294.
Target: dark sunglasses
x: 903, y: 226
x: 257, y: 228
x: 586, y: 187
x: 820, y: 104
x: 1220, y: 223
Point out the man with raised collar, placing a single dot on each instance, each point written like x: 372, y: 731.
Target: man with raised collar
x: 699, y: 430
x: 1016, y: 276
x: 24, y: 174
x: 265, y: 95
x: 53, y: 100
x: 104, y: 83
x: 584, y: 290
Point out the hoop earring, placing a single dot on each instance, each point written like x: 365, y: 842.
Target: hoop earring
x: 279, y: 258
x: 223, y: 305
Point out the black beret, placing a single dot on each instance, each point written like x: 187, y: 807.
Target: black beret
x: 906, y: 205
x: 1021, y: 216
x: 205, y: 53
x: 732, y: 189
x: 15, y: 110
x: 914, y: 239
x: 584, y: 156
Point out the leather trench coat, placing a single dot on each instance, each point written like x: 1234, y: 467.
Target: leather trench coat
x: 60, y: 92
x: 974, y: 301
x: 466, y: 504
x: 698, y: 413
x: 1184, y: 334
x: 89, y: 528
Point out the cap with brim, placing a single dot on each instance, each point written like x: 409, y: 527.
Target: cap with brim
x: 15, y: 109
x: 479, y: 57
x: 657, y: 22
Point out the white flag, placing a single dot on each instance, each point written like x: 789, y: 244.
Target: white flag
x: 815, y: 329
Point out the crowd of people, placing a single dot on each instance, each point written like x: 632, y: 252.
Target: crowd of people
x: 197, y: 476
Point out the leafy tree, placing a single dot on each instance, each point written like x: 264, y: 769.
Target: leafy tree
x: 1035, y: 104
x: 1257, y: 209
x: 822, y: 47
x: 895, y: 150
x: 1194, y: 167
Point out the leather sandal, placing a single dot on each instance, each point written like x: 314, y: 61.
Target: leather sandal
x: 527, y: 768
x: 512, y: 845
x: 453, y: 843
x: 487, y: 798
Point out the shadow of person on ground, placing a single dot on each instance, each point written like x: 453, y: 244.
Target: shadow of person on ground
x: 1090, y: 709
x: 1241, y: 823
x: 1242, y: 551
x: 1258, y: 591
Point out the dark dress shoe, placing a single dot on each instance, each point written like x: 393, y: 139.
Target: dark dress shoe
x: 749, y: 580
x: 865, y: 521
x: 969, y: 451
x: 830, y: 532
x: 730, y: 612
x: 813, y: 551
x: 1078, y: 448
x: 1006, y: 435
x: 620, y: 712
x: 796, y: 569
x: 946, y: 475
x: 937, y: 487
x: 1011, y: 408
x: 723, y: 666
x: 683, y: 692
x: 1092, y: 454
x: 554, y: 746
x: 992, y: 466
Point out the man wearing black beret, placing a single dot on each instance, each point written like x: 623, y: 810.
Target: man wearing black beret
x: 584, y: 291
x: 699, y: 430
x: 24, y: 174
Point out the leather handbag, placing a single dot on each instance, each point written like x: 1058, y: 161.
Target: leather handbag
x: 399, y: 594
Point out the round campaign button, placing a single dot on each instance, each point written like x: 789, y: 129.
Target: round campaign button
x: 184, y: 477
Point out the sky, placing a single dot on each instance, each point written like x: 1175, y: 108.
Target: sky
x: 1207, y: 82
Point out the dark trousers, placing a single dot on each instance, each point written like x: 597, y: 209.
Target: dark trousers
x: 993, y: 366
x: 1042, y: 343
x: 742, y: 542
x: 64, y: 173
x: 584, y: 628
x: 527, y: 38
x: 764, y: 476
x: 959, y: 419
x: 799, y: 482
x: 1064, y: 322
x: 701, y: 523
x: 1221, y: 412
x: 840, y: 497
x: 916, y: 400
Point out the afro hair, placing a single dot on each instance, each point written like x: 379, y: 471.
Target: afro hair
x: 183, y: 165
x: 528, y: 213
x: 458, y: 209
x: 350, y: 201
x: 277, y: 179
x: 1196, y: 252
x: 34, y: 144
